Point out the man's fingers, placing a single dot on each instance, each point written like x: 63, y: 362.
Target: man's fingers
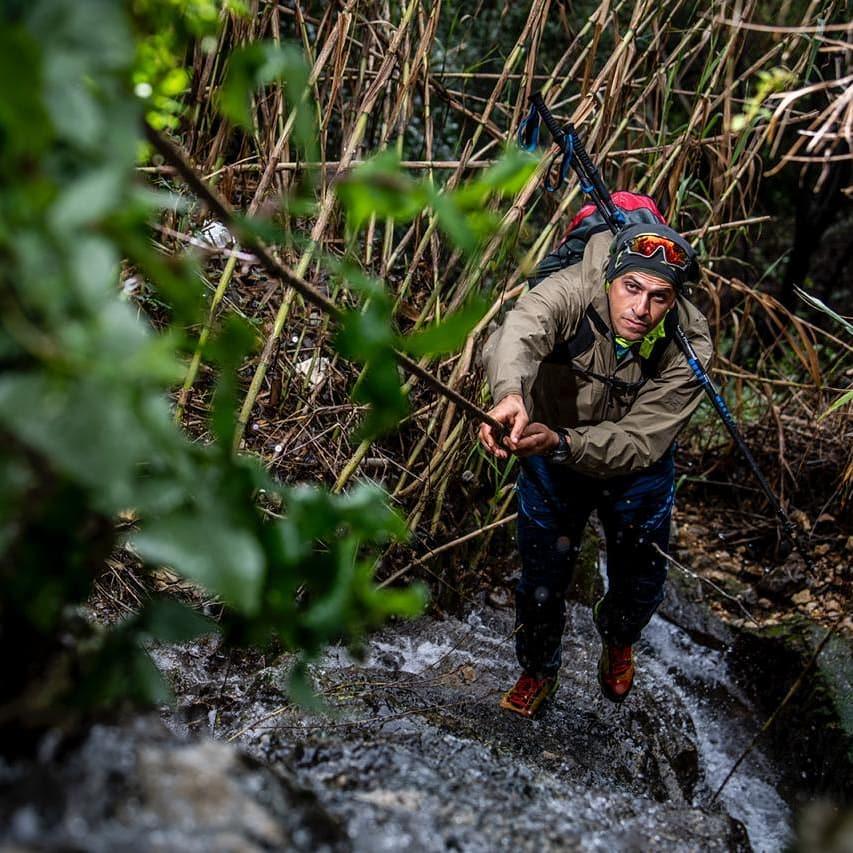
x: 531, y: 444
x: 487, y: 438
x: 519, y: 424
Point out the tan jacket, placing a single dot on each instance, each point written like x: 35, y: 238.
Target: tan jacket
x: 611, y: 430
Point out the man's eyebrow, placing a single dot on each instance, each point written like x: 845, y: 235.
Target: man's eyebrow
x: 652, y: 288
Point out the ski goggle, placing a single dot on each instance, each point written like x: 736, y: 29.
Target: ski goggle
x: 648, y: 245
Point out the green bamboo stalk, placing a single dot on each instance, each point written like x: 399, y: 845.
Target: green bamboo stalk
x: 195, y: 363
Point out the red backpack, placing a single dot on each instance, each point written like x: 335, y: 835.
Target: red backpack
x: 588, y: 221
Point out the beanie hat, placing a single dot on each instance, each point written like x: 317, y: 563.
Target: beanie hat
x: 655, y: 249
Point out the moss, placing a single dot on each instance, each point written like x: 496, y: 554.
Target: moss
x: 815, y: 729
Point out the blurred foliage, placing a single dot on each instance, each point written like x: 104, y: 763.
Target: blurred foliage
x: 379, y: 188
x: 86, y: 431
x: 768, y: 82
x: 161, y: 29
x: 85, y: 426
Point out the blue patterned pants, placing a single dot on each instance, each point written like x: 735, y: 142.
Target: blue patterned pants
x: 554, y: 504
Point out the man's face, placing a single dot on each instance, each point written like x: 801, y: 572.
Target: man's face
x: 638, y: 302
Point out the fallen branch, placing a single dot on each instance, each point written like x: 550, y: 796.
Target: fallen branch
x: 275, y: 268
x: 446, y: 547
x: 710, y: 583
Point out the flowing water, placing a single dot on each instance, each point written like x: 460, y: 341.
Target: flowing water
x: 412, y: 753
x: 417, y: 754
x: 725, y: 722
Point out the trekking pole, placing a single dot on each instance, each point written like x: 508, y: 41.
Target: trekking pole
x: 574, y: 152
x: 575, y: 156
x: 788, y: 526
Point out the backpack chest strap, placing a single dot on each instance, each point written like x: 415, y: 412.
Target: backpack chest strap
x: 567, y: 351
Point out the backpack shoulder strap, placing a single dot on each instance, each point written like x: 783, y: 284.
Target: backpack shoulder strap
x: 581, y: 340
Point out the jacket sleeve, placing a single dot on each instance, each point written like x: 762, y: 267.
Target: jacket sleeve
x: 662, y: 409
x: 513, y: 353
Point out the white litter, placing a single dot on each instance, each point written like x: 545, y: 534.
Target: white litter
x: 216, y: 234
x: 314, y: 370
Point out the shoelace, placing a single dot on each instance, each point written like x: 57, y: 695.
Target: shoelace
x: 526, y: 688
x: 620, y: 659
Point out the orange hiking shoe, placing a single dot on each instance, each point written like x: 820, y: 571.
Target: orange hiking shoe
x: 616, y: 671
x: 528, y: 694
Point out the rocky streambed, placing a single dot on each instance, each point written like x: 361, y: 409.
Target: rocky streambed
x: 412, y: 752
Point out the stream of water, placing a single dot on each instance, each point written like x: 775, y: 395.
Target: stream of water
x: 725, y: 722
x: 417, y: 754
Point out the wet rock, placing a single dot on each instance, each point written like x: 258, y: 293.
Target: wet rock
x: 782, y: 581
x: 416, y: 754
x: 439, y: 766
x: 685, y: 604
x: 815, y: 728
x: 133, y: 785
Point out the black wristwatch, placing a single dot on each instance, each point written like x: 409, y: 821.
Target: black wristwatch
x: 560, y: 454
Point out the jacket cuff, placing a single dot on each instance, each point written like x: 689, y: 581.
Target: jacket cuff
x: 504, y: 389
x: 577, y: 444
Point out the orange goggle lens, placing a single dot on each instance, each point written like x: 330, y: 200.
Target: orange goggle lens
x: 646, y: 245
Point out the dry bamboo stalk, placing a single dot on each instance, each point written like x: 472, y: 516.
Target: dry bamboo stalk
x: 449, y: 414
x: 321, y: 222
x: 260, y: 191
x: 649, y: 84
x: 434, y: 552
x: 463, y: 365
x: 535, y: 17
x: 500, y: 517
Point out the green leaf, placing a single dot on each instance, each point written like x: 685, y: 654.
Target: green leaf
x: 355, y: 278
x: 24, y: 125
x: 88, y: 199
x: 446, y: 336
x: 256, y: 226
x: 818, y: 304
x: 302, y: 691
x: 379, y: 187
x: 407, y: 603
x: 223, y: 558
x: 367, y: 511
x: 843, y: 400
x: 169, y: 621
x: 379, y: 386
x: 454, y: 223
x: 259, y: 64
x: 506, y: 177
x: 228, y: 349
x: 363, y: 335
x: 87, y: 429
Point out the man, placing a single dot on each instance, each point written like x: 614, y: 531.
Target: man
x: 593, y: 391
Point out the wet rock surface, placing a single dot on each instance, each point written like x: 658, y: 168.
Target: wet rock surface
x: 133, y: 785
x: 413, y: 753
x: 416, y: 753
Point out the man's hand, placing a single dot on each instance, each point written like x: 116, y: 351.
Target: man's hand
x: 524, y: 439
x: 537, y: 438
x: 511, y: 412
